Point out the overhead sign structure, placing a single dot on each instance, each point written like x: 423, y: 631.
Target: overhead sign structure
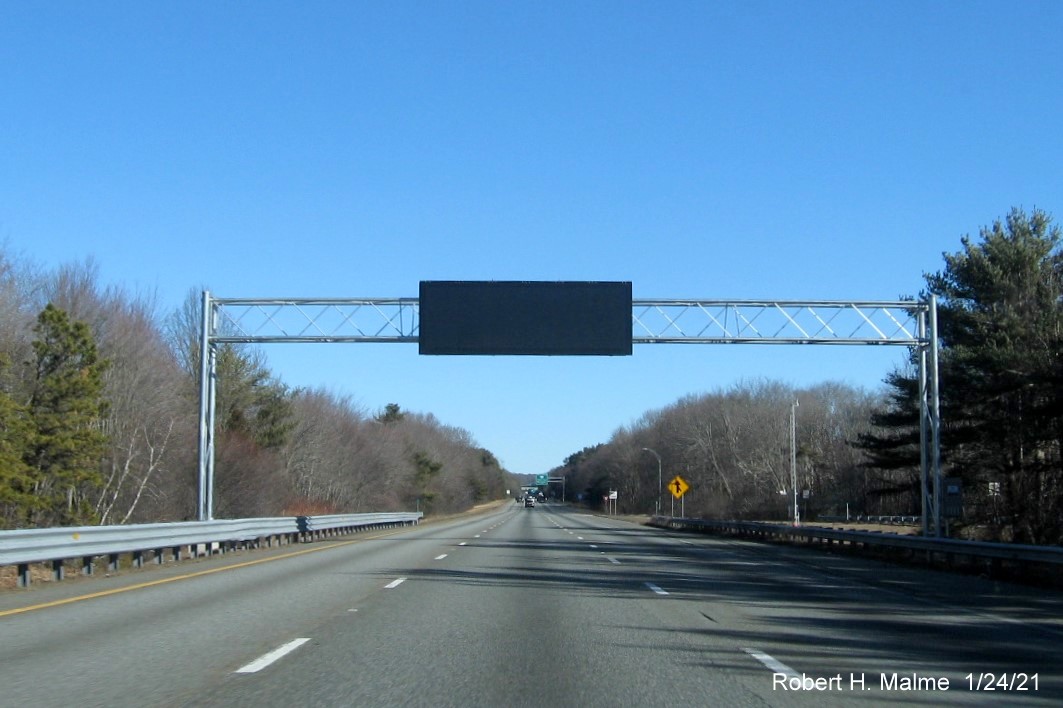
x: 576, y: 317
x: 542, y: 480
x: 525, y: 317
x: 678, y: 487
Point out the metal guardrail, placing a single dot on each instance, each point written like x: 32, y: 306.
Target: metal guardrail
x: 23, y: 547
x: 889, y: 520
x: 945, y: 548
x: 335, y: 523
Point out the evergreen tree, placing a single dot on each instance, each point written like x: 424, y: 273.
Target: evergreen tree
x: 16, y: 482
x: 251, y: 403
x: 67, y: 410
x: 425, y: 472
x: 1000, y: 327
x: 392, y: 413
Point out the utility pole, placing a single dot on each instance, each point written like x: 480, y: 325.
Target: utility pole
x: 793, y: 458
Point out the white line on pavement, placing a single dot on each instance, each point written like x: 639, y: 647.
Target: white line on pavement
x: 772, y: 663
x: 394, y: 584
x: 439, y: 558
x: 267, y: 659
x: 656, y: 589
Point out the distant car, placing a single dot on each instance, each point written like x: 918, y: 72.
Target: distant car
x: 529, y: 501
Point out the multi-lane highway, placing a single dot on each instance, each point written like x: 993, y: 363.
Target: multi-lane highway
x: 531, y: 607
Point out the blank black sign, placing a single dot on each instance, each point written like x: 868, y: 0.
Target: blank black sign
x: 519, y: 317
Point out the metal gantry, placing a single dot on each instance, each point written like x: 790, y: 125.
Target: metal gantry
x: 654, y: 321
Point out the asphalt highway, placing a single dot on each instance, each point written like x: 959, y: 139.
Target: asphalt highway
x: 548, y: 606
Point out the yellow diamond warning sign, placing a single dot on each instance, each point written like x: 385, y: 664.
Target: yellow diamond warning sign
x: 678, y: 487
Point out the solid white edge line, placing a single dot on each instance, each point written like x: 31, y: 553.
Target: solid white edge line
x: 656, y: 589
x: 267, y: 659
x: 394, y: 584
x: 772, y: 663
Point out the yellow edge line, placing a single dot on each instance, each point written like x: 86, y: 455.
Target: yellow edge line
x: 141, y: 586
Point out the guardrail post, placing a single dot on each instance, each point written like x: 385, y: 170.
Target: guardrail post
x: 23, y: 575
x: 86, y: 565
x: 112, y: 562
x: 57, y: 570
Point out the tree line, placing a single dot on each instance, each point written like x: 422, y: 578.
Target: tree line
x: 99, y: 421
x: 732, y: 446
x: 99, y: 418
x: 1000, y: 325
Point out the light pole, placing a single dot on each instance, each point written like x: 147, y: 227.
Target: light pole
x: 793, y: 458
x: 660, y: 487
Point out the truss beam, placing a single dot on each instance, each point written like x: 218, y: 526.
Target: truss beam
x: 775, y: 322
x: 396, y: 320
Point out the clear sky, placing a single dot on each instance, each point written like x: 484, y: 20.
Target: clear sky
x: 796, y: 150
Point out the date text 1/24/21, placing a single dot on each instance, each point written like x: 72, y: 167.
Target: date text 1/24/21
x: 1001, y: 682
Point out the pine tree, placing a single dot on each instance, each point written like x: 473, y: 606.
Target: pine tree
x: 392, y: 413
x: 251, y: 403
x: 16, y: 482
x: 1000, y: 323
x: 67, y: 410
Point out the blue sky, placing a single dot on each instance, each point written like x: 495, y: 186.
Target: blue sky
x: 812, y: 150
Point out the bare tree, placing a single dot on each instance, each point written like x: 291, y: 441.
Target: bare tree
x: 732, y: 447
x: 144, y: 387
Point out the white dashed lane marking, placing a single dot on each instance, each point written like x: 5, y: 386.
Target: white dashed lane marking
x: 772, y: 663
x: 267, y: 659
